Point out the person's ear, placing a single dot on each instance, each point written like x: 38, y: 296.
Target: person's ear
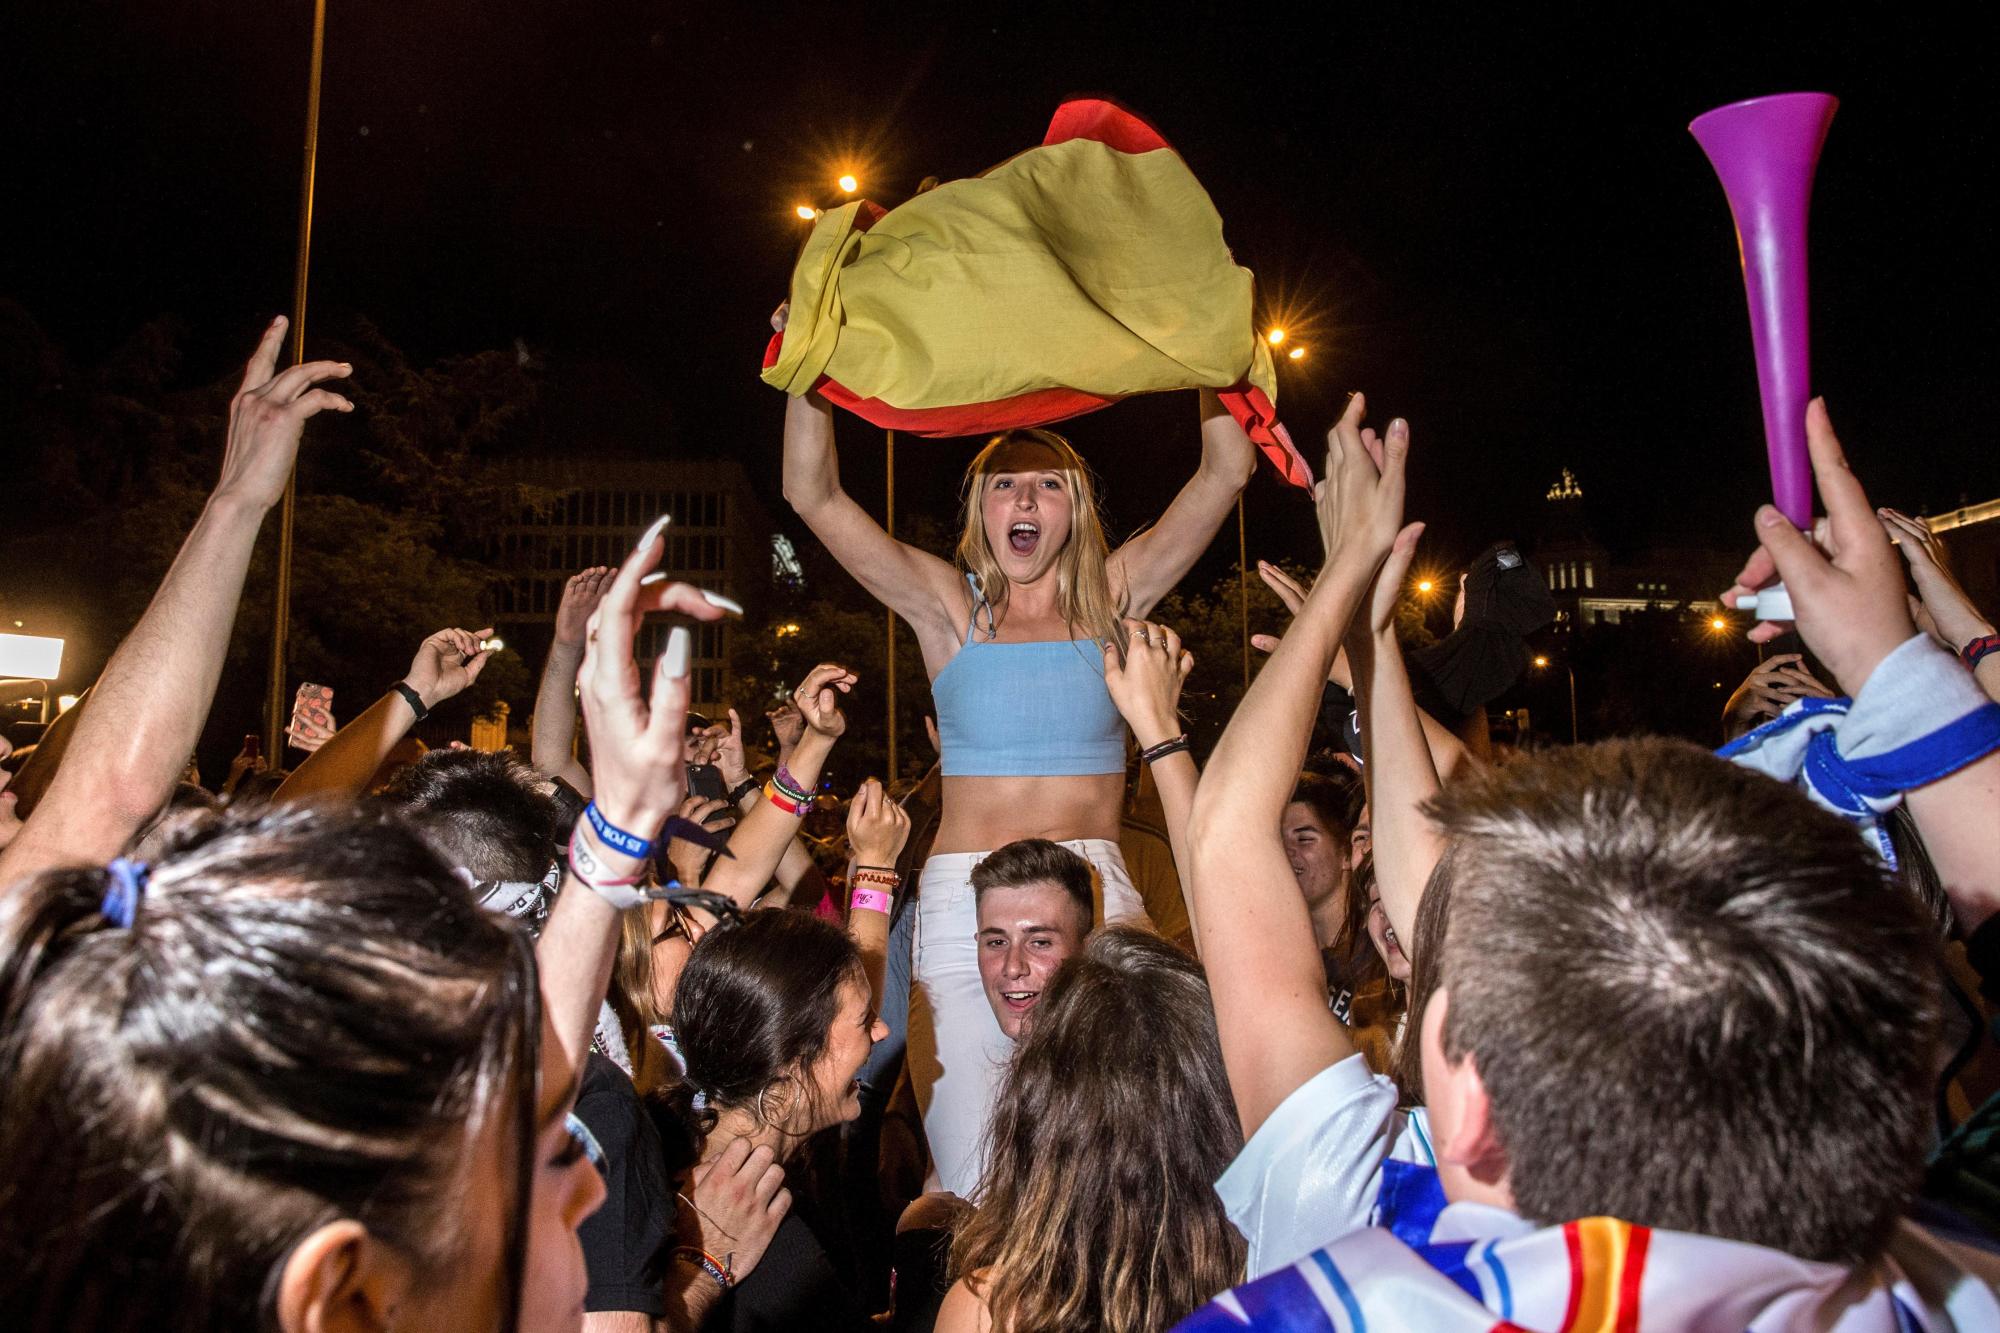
x: 1474, y: 1145
x: 340, y: 1279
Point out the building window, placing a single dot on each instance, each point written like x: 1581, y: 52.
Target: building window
x: 1589, y: 575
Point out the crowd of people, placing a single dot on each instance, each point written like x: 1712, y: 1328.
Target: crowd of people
x: 1368, y: 1023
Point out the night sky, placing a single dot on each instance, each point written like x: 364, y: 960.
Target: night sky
x: 1502, y: 232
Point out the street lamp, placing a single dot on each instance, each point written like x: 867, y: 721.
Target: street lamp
x: 1541, y: 663
x: 1276, y: 337
x: 848, y: 184
x: 1425, y: 586
x: 806, y: 212
x: 1297, y: 354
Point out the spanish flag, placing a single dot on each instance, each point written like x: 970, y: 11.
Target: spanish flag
x: 1087, y: 270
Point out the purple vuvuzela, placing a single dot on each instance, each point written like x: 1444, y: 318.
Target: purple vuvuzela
x: 1765, y: 151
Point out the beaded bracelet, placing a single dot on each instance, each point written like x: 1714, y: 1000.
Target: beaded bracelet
x: 708, y: 1264
x: 1979, y: 648
x: 1178, y: 745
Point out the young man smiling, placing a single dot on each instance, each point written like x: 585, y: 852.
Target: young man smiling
x: 1035, y: 908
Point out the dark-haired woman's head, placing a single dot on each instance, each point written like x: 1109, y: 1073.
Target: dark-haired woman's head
x: 1098, y: 1209
x: 774, y: 1021
x: 306, y: 1084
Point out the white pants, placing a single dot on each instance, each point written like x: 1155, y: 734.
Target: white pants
x: 958, y: 1054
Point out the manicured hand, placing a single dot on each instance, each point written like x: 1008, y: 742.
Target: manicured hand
x: 266, y: 417
x: 446, y: 663
x: 818, y: 698
x: 877, y: 827
x: 739, y: 1200
x: 1844, y: 580
x: 637, y: 734
x: 579, y: 599
x: 1146, y: 686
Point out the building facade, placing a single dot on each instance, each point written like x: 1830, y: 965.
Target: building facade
x: 592, y: 510
x: 1592, y: 587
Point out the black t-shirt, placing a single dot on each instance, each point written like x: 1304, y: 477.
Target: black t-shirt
x: 794, y: 1286
x: 625, y: 1242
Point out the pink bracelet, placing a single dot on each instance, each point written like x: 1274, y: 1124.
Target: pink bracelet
x: 869, y: 900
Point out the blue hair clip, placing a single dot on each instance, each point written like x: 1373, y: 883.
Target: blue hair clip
x: 128, y: 886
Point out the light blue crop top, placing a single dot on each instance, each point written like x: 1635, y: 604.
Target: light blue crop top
x: 1026, y: 709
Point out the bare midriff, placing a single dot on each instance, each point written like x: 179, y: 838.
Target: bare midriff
x: 981, y: 814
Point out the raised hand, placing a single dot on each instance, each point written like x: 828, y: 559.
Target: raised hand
x: 637, y: 735
x: 729, y: 756
x: 788, y: 724
x: 1954, y: 620
x: 446, y: 663
x: 1146, y: 686
x: 690, y: 858
x: 579, y: 599
x: 703, y: 745
x: 266, y: 416
x: 1775, y: 684
x: 818, y: 698
x: 1846, y: 588
x: 877, y: 827
x: 1360, y: 499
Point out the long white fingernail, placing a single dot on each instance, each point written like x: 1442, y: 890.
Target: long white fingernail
x: 726, y: 603
x: 679, y: 645
x: 657, y: 576
x: 659, y: 526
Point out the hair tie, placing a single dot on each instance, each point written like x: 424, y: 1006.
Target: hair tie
x: 121, y: 896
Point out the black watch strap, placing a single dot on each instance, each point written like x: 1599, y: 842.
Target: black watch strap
x: 413, y: 699
x: 742, y: 789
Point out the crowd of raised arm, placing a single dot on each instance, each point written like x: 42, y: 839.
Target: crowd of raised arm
x: 1675, y: 1035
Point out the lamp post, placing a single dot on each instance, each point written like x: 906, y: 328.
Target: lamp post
x: 1542, y: 663
x: 890, y: 455
x: 281, y: 602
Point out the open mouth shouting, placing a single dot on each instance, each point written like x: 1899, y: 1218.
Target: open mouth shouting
x: 1024, y: 536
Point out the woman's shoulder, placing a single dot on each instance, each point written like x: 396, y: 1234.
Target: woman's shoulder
x: 964, y: 1309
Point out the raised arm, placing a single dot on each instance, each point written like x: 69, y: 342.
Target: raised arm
x: 1251, y: 924
x: 1847, y: 591
x: 877, y: 828
x: 1399, y: 771
x: 1148, y: 566
x: 759, y: 842
x: 1146, y: 686
x: 445, y: 664
x: 1943, y: 609
x: 552, y: 741
x: 147, y: 708
x: 916, y: 585
x: 636, y: 740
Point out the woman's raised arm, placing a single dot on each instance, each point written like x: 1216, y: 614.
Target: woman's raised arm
x: 916, y: 585
x: 1147, y: 567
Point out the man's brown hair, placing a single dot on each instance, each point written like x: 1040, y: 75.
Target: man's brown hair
x: 1039, y: 861
x: 1695, y: 999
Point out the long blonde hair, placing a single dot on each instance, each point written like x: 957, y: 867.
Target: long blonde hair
x: 1083, y: 583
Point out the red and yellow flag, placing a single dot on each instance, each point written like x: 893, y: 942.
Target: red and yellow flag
x: 1087, y: 270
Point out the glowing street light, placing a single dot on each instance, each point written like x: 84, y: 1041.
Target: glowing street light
x: 1297, y: 354
x: 806, y: 212
x: 1276, y: 337
x: 1541, y: 661
x: 1425, y: 586
x: 1718, y: 624
x: 848, y: 185
x: 787, y: 630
